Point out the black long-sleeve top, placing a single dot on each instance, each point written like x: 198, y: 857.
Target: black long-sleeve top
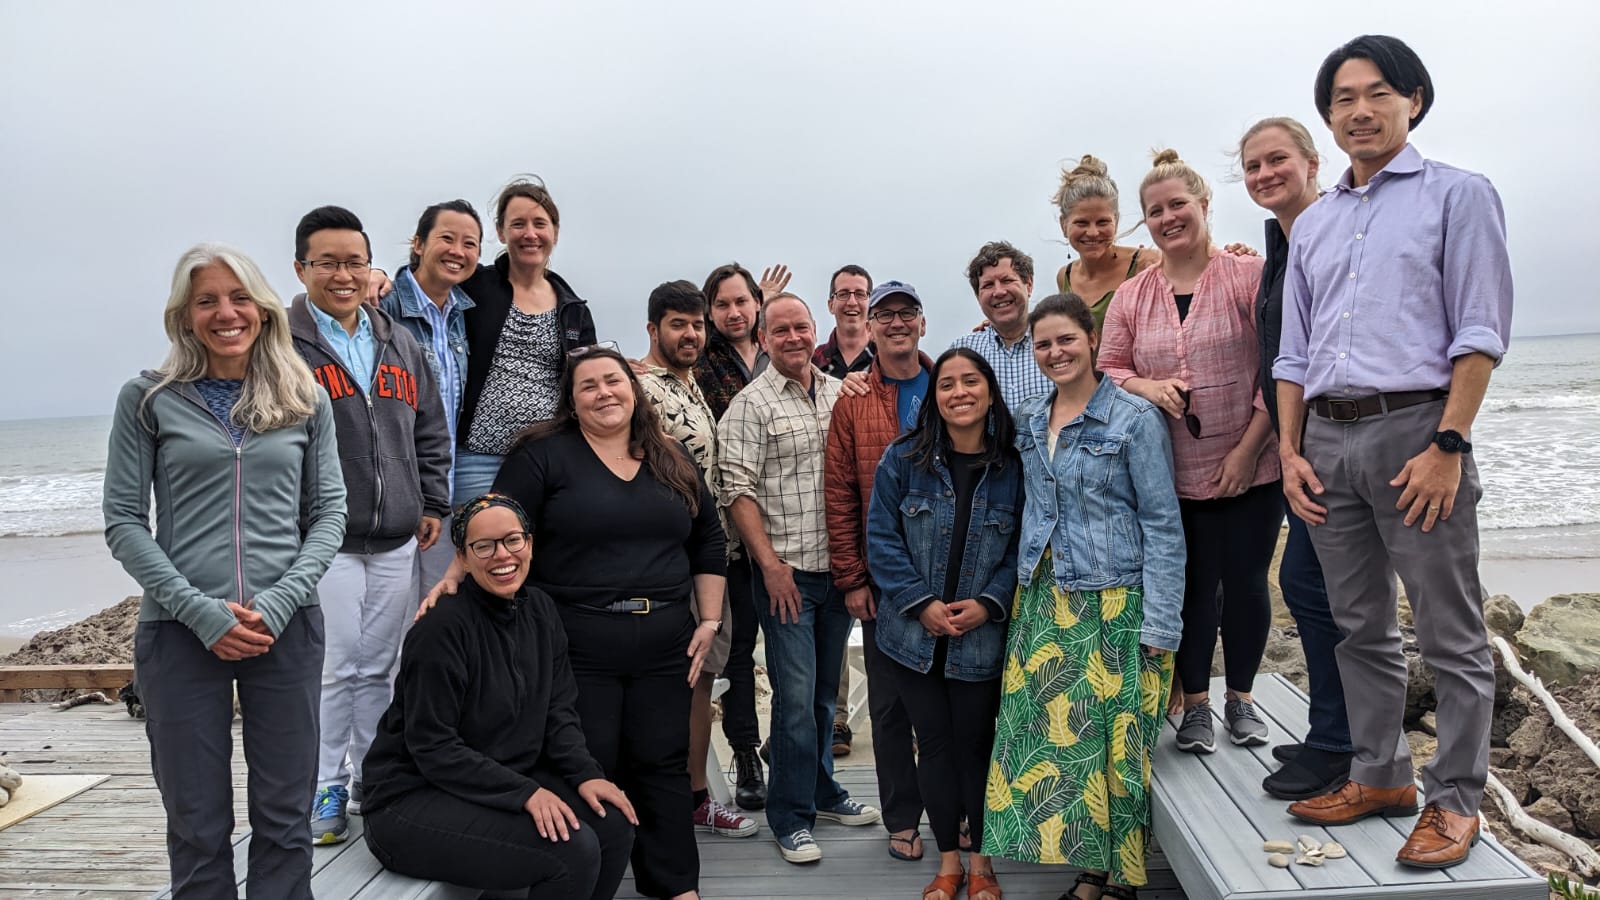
x: 597, y: 538
x: 1269, y: 312
x: 485, y: 696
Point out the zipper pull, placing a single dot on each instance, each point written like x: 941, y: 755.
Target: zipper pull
x: 238, y: 451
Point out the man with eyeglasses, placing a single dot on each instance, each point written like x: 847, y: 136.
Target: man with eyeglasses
x: 394, y: 449
x: 849, y: 348
x: 863, y: 427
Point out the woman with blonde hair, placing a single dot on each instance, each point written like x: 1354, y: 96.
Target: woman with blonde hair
x: 1090, y: 216
x: 1280, y: 161
x: 1183, y: 336
x: 230, y: 574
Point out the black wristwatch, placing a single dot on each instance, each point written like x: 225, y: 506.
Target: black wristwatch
x: 1451, y: 442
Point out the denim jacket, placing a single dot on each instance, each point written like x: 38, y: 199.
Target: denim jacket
x: 404, y: 305
x: 908, y: 553
x: 1105, y: 506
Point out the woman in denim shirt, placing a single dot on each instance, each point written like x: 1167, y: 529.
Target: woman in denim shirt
x: 942, y: 547
x: 1097, y: 616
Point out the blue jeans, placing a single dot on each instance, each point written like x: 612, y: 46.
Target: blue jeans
x: 1300, y: 577
x: 803, y: 660
x: 475, y: 474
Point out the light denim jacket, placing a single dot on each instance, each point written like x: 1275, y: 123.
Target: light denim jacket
x: 908, y: 554
x: 404, y: 306
x: 1105, y: 506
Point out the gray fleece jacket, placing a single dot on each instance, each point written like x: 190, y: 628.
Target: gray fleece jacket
x: 227, y: 519
x: 394, y: 445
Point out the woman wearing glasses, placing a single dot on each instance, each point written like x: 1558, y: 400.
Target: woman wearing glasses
x: 526, y: 320
x: 628, y: 538
x: 1183, y: 336
x: 479, y: 774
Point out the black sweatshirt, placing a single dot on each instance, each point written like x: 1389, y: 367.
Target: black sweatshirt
x: 597, y: 538
x: 484, y: 697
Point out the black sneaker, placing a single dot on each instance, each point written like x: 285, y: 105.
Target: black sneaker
x: 750, y: 785
x: 1287, y: 752
x: 1312, y: 773
x: 842, y: 738
x: 1197, y: 734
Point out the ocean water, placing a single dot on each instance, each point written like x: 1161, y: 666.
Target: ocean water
x: 1537, y: 442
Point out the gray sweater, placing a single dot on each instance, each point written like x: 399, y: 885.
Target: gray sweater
x: 227, y: 519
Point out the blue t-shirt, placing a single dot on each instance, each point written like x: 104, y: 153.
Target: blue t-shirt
x: 908, y: 399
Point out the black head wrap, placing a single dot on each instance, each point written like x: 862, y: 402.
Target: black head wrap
x: 463, y: 515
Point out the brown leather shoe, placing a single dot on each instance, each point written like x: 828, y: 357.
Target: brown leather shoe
x: 1355, y: 802
x: 1441, y: 839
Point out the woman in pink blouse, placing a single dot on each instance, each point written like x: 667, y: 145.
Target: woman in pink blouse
x: 1182, y: 335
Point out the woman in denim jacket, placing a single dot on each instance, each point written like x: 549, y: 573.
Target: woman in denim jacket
x: 1096, y: 618
x: 942, y: 547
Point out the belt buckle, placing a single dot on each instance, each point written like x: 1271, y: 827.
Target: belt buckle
x: 1343, y: 410
x: 640, y: 612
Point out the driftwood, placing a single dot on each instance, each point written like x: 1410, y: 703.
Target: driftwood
x: 1557, y: 715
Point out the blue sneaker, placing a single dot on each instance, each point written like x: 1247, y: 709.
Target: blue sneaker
x: 328, y: 822
x: 799, y: 847
x: 851, y: 812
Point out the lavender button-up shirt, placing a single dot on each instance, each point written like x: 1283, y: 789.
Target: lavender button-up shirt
x: 1387, y: 286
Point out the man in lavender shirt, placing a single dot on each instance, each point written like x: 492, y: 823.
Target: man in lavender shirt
x: 1397, y: 306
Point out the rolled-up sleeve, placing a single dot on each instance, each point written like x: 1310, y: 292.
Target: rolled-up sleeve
x: 1295, y: 337
x: 1116, y: 337
x: 1477, y: 270
x: 742, y: 444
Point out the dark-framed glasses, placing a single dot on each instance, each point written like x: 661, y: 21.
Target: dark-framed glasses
x: 849, y: 295
x: 513, y: 542
x: 330, y: 266
x: 1190, y: 420
x: 581, y: 352
x: 905, y: 314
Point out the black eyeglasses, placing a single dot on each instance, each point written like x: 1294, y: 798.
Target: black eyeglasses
x: 580, y: 352
x: 904, y: 314
x: 1190, y: 420
x: 330, y: 266
x: 513, y: 542
x: 848, y: 295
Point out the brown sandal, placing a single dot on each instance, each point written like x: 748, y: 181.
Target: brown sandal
x: 980, y: 884
x: 949, y: 885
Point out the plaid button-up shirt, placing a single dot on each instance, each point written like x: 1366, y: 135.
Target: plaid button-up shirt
x: 771, y: 448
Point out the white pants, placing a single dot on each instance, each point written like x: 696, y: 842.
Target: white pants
x: 366, y: 602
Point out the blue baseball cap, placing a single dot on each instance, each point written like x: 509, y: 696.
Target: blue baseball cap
x: 890, y: 288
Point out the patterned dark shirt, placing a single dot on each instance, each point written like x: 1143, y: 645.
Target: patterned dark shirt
x: 721, y: 372
x: 523, y: 384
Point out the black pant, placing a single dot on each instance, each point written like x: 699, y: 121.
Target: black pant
x: 188, y: 697
x: 432, y: 834
x: 1230, y: 543
x: 739, y: 702
x: 633, y: 699
x: 893, y: 758
x: 955, y: 732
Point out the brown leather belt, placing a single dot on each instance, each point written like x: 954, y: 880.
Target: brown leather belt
x: 1375, y: 405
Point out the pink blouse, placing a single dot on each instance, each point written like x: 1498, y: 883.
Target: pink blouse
x: 1214, y: 350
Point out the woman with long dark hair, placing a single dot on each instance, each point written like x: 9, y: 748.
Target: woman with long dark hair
x: 942, y: 548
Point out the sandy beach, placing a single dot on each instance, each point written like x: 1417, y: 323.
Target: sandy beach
x: 55, y: 581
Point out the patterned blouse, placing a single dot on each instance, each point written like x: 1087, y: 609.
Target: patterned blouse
x: 1214, y: 349
x: 523, y: 382
x: 687, y: 418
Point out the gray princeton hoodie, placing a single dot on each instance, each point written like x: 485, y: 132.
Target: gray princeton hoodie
x: 394, y: 446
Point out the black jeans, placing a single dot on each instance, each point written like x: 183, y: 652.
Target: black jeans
x: 895, y: 763
x: 955, y: 734
x: 1300, y: 578
x: 633, y: 699
x: 1230, y: 542
x: 188, y: 698
x: 432, y: 834
x: 739, y: 702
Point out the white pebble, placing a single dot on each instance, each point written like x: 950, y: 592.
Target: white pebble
x: 1279, y: 860
x: 1278, y: 847
x: 1334, y: 850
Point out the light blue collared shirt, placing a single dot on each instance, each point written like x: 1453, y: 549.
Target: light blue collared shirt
x: 357, y: 351
x: 1387, y: 286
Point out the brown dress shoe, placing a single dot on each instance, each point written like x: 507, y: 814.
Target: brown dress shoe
x: 1355, y: 802
x: 1441, y: 839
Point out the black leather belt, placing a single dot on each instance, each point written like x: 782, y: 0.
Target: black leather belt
x: 1375, y: 405
x: 639, y: 606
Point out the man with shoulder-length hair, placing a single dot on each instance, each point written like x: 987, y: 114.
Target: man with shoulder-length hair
x: 1397, y: 306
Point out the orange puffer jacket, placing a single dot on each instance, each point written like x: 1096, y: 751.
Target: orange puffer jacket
x: 862, y: 428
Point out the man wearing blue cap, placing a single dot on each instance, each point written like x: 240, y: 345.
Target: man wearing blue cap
x: 863, y: 426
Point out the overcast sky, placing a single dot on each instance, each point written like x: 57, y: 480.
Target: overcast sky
x: 678, y: 136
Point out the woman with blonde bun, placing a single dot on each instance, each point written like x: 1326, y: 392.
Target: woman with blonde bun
x: 1183, y: 336
x: 1090, y: 217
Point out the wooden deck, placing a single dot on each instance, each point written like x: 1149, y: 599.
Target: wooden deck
x: 1212, y: 816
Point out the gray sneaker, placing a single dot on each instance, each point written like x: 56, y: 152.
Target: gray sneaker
x: 328, y: 822
x: 851, y: 812
x: 799, y: 847
x: 1245, y: 727
x: 1197, y: 734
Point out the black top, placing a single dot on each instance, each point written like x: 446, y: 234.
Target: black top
x: 485, y: 696
x: 490, y: 290
x: 1184, y: 301
x: 965, y: 470
x: 597, y: 538
x: 1269, y: 312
